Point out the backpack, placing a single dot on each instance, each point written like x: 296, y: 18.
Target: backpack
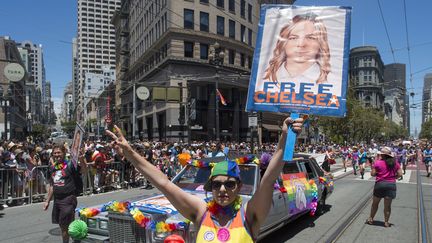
x: 77, y: 177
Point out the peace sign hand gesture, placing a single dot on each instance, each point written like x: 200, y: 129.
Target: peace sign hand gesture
x: 119, y: 143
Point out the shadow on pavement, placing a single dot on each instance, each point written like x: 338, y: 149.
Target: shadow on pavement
x: 291, y: 229
x: 380, y: 223
x: 55, y: 231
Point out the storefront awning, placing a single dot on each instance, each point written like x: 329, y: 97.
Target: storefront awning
x: 271, y: 127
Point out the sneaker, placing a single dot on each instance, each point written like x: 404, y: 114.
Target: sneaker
x: 400, y: 178
x: 428, y: 174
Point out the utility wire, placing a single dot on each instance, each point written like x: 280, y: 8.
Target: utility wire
x: 385, y: 27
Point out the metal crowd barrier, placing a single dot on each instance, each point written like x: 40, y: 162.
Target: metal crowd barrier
x: 19, y: 185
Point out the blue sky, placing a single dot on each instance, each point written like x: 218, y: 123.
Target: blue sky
x: 52, y: 23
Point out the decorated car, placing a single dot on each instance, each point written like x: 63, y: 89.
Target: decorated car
x: 302, y: 188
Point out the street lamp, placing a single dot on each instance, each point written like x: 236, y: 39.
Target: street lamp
x: 216, y: 58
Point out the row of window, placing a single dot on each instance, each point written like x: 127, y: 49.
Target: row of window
x: 152, y: 9
x: 232, y: 7
x: 156, y: 58
x: 89, y: 3
x: 152, y: 35
x: 204, y: 52
x: 188, y: 23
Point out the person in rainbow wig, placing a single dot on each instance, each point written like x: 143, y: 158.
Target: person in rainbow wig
x: 224, y: 218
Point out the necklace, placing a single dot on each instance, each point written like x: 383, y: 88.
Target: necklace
x: 59, y: 165
x: 230, y: 210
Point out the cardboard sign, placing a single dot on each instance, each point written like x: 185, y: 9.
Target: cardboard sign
x: 301, y: 60
x: 76, y: 144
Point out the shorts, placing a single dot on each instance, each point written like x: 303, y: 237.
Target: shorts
x: 385, y: 189
x: 428, y: 162
x: 63, y: 212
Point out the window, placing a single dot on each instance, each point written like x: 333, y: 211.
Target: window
x: 232, y: 29
x: 220, y: 3
x: 250, y: 37
x: 203, y: 1
x: 242, y: 59
x: 242, y: 8
x: 309, y: 170
x: 290, y: 168
x: 250, y: 13
x: 188, y: 19
x: 204, y: 51
x: 231, y: 56
x: 204, y: 21
x: 231, y: 5
x: 220, y: 25
x: 243, y: 33
x: 188, y: 49
x: 249, y: 62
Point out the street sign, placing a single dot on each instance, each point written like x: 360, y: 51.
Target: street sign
x: 14, y: 72
x: 143, y: 93
x: 253, y: 121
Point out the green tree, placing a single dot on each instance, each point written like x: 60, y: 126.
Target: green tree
x: 361, y: 124
x: 39, y: 131
x: 426, y: 130
x: 68, y: 127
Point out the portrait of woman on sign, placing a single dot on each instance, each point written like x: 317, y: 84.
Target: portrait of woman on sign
x: 305, y: 55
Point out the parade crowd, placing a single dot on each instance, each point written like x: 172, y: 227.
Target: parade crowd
x: 25, y: 165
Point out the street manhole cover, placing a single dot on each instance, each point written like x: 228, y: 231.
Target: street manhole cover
x: 55, y: 231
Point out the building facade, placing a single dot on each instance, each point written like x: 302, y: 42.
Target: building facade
x: 169, y: 44
x: 367, y: 76
x: 397, y: 107
x: 95, y: 43
x: 427, y: 101
x: 13, y: 119
x: 66, y: 114
x: 37, y: 79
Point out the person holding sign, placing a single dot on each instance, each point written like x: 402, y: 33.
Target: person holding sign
x: 233, y: 220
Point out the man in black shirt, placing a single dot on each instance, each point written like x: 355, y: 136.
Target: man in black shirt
x: 63, y: 187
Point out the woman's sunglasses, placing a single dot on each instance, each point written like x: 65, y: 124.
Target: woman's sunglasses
x: 229, y: 185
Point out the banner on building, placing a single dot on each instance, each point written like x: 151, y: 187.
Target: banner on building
x: 301, y: 60
x: 76, y: 144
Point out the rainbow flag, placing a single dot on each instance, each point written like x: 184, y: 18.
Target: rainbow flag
x: 221, y: 98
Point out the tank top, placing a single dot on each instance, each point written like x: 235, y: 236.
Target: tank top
x: 234, y: 231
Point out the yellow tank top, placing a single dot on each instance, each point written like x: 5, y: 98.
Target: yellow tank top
x: 235, y: 231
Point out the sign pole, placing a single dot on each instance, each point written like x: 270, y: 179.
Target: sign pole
x: 291, y: 139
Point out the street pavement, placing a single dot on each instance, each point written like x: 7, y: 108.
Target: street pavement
x: 29, y: 223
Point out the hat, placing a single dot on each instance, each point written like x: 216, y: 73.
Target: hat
x: 176, y: 144
x: 11, y: 145
x: 146, y: 144
x: 18, y: 151
x: 38, y: 149
x: 226, y: 168
x: 386, y: 151
x: 99, y: 146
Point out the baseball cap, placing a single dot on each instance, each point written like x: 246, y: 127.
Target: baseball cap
x: 226, y: 168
